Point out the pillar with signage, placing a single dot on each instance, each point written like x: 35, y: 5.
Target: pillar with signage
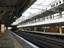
x: 2, y: 27
x: 60, y: 29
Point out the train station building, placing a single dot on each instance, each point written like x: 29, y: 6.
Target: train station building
x: 31, y: 23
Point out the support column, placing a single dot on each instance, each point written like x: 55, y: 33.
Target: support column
x: 60, y: 14
x: 44, y: 29
x: 35, y: 29
x: 60, y: 29
x: 2, y: 28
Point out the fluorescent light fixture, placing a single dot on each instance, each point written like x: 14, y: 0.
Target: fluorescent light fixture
x: 9, y: 27
x: 19, y: 26
x: 16, y: 23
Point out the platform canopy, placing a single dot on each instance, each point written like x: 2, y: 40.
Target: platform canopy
x: 36, y: 8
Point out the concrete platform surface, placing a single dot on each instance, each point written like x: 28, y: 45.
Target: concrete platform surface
x: 7, y: 41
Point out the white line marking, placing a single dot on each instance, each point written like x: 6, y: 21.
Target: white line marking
x: 34, y: 46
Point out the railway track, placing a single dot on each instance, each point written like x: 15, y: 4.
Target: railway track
x: 43, y: 40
